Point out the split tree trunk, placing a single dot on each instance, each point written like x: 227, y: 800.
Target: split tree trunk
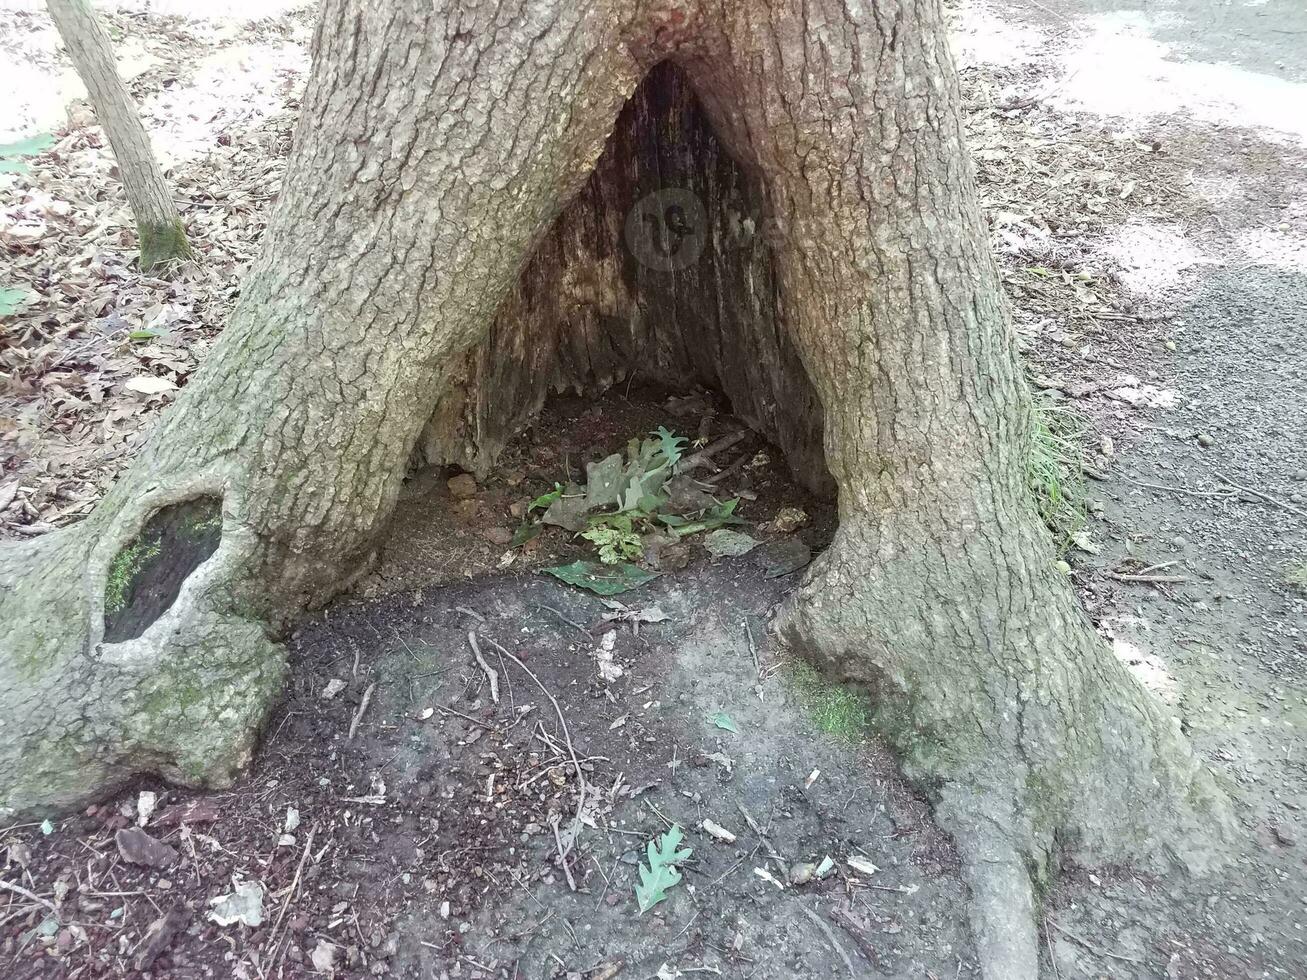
x: 437, y: 144
x: 158, y: 225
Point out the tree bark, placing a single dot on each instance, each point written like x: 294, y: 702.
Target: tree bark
x: 159, y: 227
x: 437, y: 145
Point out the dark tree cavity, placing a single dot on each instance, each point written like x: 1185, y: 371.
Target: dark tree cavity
x: 146, y: 577
x: 659, y: 270
x: 416, y: 295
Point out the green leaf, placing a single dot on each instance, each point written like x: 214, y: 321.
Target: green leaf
x: 602, y: 579
x: 715, y: 518
x: 144, y: 334
x: 545, y: 499
x: 524, y: 533
x: 615, y: 538
x: 723, y: 721
x: 14, y: 298
x: 669, y: 445
x: 663, y: 854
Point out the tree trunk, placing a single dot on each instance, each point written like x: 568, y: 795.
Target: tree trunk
x: 397, y: 287
x: 158, y: 225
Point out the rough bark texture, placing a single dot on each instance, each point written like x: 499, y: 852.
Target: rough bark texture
x: 437, y: 145
x: 158, y: 225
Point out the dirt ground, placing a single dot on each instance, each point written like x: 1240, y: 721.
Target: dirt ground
x: 1144, y: 169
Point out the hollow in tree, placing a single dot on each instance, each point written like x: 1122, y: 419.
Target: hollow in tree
x: 400, y: 307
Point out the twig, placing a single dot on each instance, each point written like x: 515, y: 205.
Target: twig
x: 1151, y: 579
x: 1094, y: 949
x: 1222, y: 494
x: 567, y: 736
x: 762, y: 836
x: 830, y: 937
x: 1155, y: 568
x: 1264, y: 496
x: 470, y: 612
x: 1052, y: 953
x: 19, y: 889
x: 704, y: 456
x: 576, y: 626
x: 850, y: 925
x: 687, y: 926
x: 290, y: 897
x: 659, y: 814
x: 753, y: 649
x: 492, y: 676
x: 562, y: 853
x: 358, y: 715
x: 734, y: 468
x: 458, y: 714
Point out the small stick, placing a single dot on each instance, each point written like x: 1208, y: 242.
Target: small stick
x: 562, y: 854
x: 492, y: 676
x: 753, y: 649
x: 576, y: 626
x: 1223, y: 494
x: 358, y: 715
x: 849, y: 925
x: 19, y: 889
x: 1155, y: 568
x: 721, y: 475
x: 290, y: 895
x: 1264, y: 496
x: 567, y: 736
x: 1052, y: 953
x: 470, y: 612
x: 830, y: 937
x: 450, y: 711
x: 704, y: 456
x: 1094, y: 949
x: 762, y: 836
x: 1151, y: 579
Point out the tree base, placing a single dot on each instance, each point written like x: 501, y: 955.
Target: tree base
x: 185, y: 698
x: 162, y: 244
x: 1024, y: 770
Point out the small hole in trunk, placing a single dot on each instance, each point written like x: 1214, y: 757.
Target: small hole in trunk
x: 147, y: 575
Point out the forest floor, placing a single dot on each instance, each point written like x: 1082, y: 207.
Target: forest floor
x: 1144, y: 170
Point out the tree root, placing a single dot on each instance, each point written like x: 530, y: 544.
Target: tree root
x: 1014, y: 717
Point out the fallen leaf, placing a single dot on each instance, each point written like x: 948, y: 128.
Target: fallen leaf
x: 149, y: 384
x: 602, y: 579
x: 244, y: 904
x: 724, y: 543
x: 723, y: 721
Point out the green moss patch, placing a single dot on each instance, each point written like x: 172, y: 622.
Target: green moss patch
x: 837, y: 710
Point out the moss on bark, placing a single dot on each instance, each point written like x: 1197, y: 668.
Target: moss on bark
x: 162, y: 244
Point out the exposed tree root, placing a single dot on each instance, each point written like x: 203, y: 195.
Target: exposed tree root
x: 1032, y: 740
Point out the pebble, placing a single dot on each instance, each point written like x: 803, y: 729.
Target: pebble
x: 1300, y: 475
x: 135, y: 846
x: 801, y: 874
x: 463, y: 485
x: 1205, y: 440
x: 498, y: 535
